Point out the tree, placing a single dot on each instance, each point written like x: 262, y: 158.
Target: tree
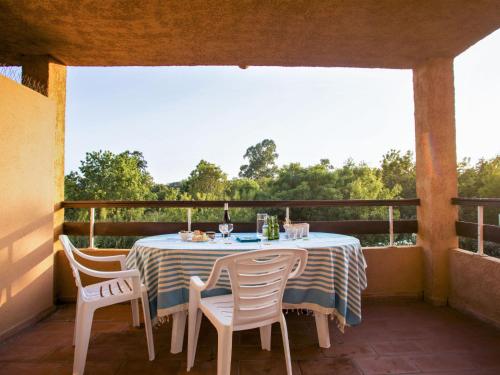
x: 242, y: 189
x: 359, y: 181
x: 399, y: 170
x: 482, y: 181
x: 261, y: 161
x: 206, y: 181
x: 104, y: 175
x: 297, y: 182
x: 166, y: 192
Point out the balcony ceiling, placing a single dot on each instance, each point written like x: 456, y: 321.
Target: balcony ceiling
x: 356, y: 33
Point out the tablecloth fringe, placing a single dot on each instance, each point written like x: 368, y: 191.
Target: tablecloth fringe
x: 305, y: 309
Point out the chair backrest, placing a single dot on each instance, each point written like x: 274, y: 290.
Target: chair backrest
x: 69, y: 249
x: 258, y: 280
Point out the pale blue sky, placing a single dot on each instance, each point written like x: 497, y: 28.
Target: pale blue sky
x: 179, y: 115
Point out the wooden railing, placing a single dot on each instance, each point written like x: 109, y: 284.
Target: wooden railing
x: 93, y: 228
x: 480, y: 231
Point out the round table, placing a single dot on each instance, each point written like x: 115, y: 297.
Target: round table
x: 330, y: 285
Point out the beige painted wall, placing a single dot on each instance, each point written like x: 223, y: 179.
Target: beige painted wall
x: 394, y: 272
x: 51, y: 74
x: 474, y: 285
x: 391, y: 272
x: 27, y: 123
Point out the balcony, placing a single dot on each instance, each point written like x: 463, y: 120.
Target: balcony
x: 400, y: 333
x: 430, y: 307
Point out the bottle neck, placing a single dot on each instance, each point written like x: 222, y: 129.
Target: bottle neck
x: 226, y: 218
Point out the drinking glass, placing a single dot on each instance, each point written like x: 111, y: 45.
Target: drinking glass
x: 223, y: 228
x: 300, y: 232
x: 261, y: 220
x: 305, y: 228
x: 229, y: 229
x: 265, y: 233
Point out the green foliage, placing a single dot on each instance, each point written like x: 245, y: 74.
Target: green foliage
x: 480, y: 181
x: 104, y: 175
x: 398, y: 171
x: 261, y: 160
x: 206, y: 182
x: 107, y: 176
x: 242, y: 189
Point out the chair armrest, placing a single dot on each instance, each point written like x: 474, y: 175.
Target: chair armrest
x: 108, y: 274
x: 108, y: 258
x: 197, y: 284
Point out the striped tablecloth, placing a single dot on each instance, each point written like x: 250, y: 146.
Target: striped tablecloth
x: 331, y: 283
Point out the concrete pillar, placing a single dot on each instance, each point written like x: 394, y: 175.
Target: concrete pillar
x: 48, y: 76
x: 436, y: 167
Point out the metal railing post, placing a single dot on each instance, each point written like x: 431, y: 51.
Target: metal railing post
x: 391, y: 226
x: 480, y: 232
x: 91, y: 229
x: 189, y: 213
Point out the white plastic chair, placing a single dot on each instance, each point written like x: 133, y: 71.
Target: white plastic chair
x: 122, y: 286
x: 258, y: 280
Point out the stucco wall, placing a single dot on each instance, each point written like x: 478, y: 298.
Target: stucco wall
x: 394, y: 272
x: 474, y: 285
x: 436, y: 172
x: 391, y: 272
x: 27, y: 121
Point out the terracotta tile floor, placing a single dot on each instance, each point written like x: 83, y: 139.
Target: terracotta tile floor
x: 395, y: 338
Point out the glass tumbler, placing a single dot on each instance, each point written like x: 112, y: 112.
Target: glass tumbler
x: 261, y: 220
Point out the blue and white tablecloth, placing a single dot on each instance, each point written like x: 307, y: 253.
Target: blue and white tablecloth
x: 331, y: 283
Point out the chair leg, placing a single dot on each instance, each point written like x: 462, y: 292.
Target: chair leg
x: 82, y: 338
x: 78, y: 305
x: 265, y: 337
x: 224, y: 350
x: 178, y: 327
x: 322, y: 329
x: 135, y: 313
x: 147, y: 325
x: 286, y: 345
x: 195, y: 316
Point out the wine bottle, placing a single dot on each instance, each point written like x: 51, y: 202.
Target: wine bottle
x: 227, y: 218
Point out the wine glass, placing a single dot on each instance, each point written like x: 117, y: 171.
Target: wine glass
x: 230, y: 228
x: 223, y: 228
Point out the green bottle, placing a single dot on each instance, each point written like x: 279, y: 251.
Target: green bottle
x: 274, y: 231
x: 271, y: 228
x: 276, y: 228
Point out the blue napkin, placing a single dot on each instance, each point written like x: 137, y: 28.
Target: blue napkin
x: 250, y: 238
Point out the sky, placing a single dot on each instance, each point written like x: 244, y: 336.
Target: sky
x: 177, y: 116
